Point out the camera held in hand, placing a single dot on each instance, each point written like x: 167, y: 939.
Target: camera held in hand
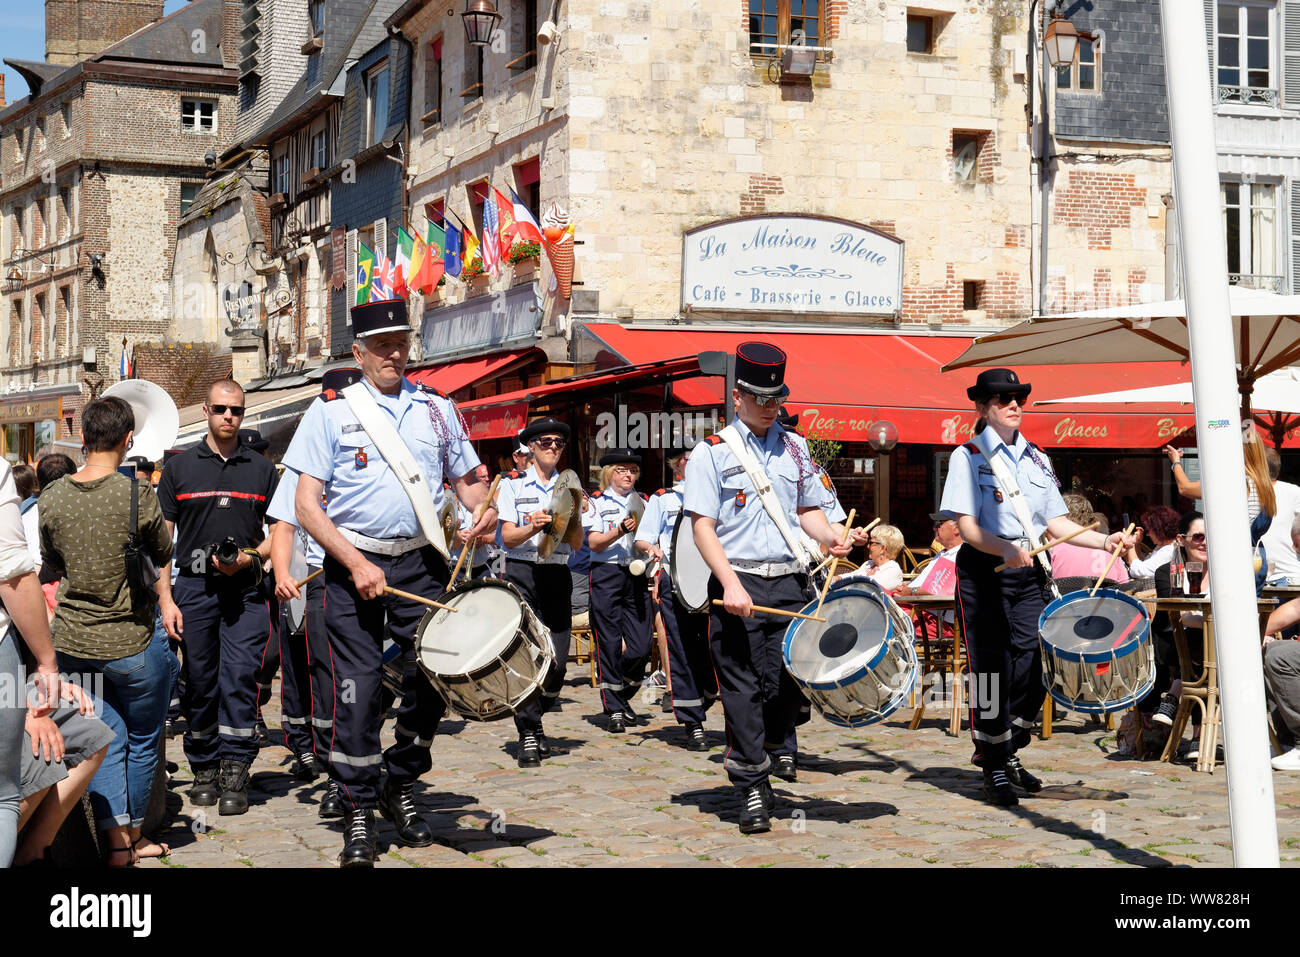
x: 226, y: 552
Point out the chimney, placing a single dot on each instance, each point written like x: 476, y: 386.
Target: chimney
x: 231, y: 15
x: 2, y: 90
x: 77, y: 30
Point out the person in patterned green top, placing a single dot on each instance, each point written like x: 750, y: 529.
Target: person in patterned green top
x: 99, y: 632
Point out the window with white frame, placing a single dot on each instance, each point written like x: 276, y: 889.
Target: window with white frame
x: 1244, y: 52
x: 280, y: 174
x: 1250, y: 220
x: 1084, y: 74
x: 198, y: 116
x: 316, y: 17
x: 376, y: 103
x: 319, y: 151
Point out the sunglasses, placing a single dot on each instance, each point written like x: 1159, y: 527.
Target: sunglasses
x: 762, y: 401
x: 1006, y: 398
x: 1197, y: 539
x: 550, y: 443
x: 235, y: 410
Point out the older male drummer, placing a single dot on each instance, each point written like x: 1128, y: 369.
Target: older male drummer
x: 373, y: 536
x: 755, y: 561
x: 546, y: 583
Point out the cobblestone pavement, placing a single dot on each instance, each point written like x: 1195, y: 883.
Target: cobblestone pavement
x: 879, y: 795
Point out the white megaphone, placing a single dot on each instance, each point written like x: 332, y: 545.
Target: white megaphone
x: 157, y: 420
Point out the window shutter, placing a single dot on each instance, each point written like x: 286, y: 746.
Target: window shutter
x: 381, y: 237
x: 1295, y: 236
x: 1291, y: 54
x: 1212, y: 34
x: 352, y: 275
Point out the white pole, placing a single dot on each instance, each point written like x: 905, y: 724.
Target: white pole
x: 1218, y: 434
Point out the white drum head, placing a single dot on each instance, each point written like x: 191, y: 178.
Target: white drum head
x: 487, y: 619
x: 690, y: 573
x: 298, y: 569
x: 846, y: 644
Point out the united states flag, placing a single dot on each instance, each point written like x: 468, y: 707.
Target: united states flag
x: 491, y: 236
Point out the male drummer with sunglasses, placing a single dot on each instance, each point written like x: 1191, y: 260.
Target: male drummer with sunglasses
x: 524, y: 503
x: 374, y: 534
x: 999, y: 611
x: 753, y: 563
x: 694, y: 686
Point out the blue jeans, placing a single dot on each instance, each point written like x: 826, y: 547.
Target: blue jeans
x: 13, y: 711
x: 134, y: 704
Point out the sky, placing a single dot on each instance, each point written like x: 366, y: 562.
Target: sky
x: 24, y: 38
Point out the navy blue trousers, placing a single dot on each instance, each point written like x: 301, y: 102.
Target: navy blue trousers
x: 999, y: 624
x: 295, y: 683
x: 690, y: 666
x: 759, y: 698
x: 356, y: 630
x: 226, y: 631
x: 549, y: 590
x: 621, y: 620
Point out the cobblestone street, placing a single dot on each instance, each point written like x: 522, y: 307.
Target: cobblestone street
x: 883, y: 795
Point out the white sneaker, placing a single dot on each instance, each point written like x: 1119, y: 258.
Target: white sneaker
x: 1165, y: 713
x: 1287, y: 761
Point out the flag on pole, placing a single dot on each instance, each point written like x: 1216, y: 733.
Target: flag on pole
x: 126, y: 369
x: 470, y: 242
x: 402, y: 268
x: 381, y: 280
x: 426, y: 274
x: 527, y: 229
x: 451, y: 257
x: 365, y: 272
x: 509, y: 228
x: 491, y: 236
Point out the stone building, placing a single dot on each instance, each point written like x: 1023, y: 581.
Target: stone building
x: 100, y: 162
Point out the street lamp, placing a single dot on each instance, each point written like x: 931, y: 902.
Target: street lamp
x: 480, y: 18
x: 1060, y: 41
x: 882, y: 437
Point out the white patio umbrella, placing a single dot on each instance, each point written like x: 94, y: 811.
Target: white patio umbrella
x: 1266, y: 333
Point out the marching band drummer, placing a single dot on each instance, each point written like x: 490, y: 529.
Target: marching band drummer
x: 486, y: 551
x: 524, y: 503
x: 991, y: 478
x: 754, y: 561
x: 620, y: 601
x: 380, y: 449
x: 694, y: 686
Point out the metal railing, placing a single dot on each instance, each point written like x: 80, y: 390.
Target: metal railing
x: 1248, y: 96
x: 1260, y: 281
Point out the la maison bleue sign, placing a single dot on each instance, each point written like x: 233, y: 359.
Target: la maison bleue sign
x: 792, y: 264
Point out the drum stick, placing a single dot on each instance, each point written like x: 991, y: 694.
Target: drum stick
x: 776, y: 611
x: 830, y: 575
x: 308, y: 578
x: 468, y: 547
x: 1114, y: 555
x: 390, y: 590
x: 1055, y: 542
x: 868, y: 527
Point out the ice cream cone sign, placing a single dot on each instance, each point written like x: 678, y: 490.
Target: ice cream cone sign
x: 558, y: 230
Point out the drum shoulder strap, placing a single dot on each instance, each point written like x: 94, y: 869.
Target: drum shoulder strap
x: 763, y: 486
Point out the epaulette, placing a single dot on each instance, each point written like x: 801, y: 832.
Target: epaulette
x: 431, y: 390
x: 597, y: 494
x: 513, y: 474
x: 713, y: 439
x: 972, y: 448
x: 329, y: 395
x: 662, y: 491
x: 645, y: 497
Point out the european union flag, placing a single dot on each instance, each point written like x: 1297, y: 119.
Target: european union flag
x: 451, y: 258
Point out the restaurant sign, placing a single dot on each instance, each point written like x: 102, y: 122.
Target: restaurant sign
x: 792, y: 264
x: 31, y: 410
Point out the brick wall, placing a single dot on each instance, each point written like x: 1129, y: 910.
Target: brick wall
x: 1097, y: 202
x: 185, y: 371
x: 76, y: 30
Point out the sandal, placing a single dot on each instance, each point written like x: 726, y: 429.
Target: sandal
x: 113, y: 851
x: 140, y: 855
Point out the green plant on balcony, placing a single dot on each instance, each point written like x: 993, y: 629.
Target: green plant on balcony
x: 472, y: 269
x: 521, y: 251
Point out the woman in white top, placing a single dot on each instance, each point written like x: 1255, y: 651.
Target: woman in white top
x: 883, y: 547
x: 1160, y: 528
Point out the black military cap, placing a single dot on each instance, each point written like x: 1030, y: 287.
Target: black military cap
x: 253, y: 439
x: 992, y: 382
x: 546, y: 426
x: 620, y: 457
x: 760, y: 369
x: 786, y: 420
x: 336, y: 380
x: 386, y: 315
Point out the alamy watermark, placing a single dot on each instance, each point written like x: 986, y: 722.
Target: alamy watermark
x: 623, y: 429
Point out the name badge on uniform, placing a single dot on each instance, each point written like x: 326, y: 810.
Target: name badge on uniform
x: 733, y: 471
x: 353, y: 427
x: 361, y: 459
x: 223, y: 501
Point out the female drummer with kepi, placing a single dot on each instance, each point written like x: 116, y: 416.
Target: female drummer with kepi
x: 1005, y: 496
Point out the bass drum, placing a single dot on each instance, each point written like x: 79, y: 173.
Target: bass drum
x: 689, y: 572
x: 488, y: 656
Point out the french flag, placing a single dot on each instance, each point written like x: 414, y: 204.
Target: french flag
x: 527, y: 228
x: 125, y: 369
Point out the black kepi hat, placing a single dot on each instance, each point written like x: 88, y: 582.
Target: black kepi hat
x: 253, y: 439
x: 786, y: 420
x: 990, y: 382
x: 547, y: 426
x: 760, y: 369
x: 386, y: 315
x: 620, y: 457
x: 335, y: 381
x: 940, y: 517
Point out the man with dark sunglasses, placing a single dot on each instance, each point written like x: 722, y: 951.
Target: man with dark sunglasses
x: 214, y: 497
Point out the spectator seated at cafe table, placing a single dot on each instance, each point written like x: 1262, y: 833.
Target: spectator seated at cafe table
x: 883, y: 548
x: 1159, y: 528
x: 1280, y: 540
x: 1074, y: 561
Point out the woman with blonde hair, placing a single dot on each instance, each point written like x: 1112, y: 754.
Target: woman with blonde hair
x: 884, y: 544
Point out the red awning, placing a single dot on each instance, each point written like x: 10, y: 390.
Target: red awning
x: 452, y: 376
x: 841, y: 383
x: 484, y: 415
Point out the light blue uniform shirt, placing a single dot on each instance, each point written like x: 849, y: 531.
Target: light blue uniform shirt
x: 608, y: 509
x: 517, y: 498
x: 282, y: 509
x: 971, y: 488
x: 830, y: 504
x: 482, y: 553
x: 660, y: 518
x: 717, y: 487
x: 364, y: 494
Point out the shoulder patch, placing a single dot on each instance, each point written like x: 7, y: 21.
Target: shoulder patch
x: 972, y: 448
x: 662, y: 491
x: 645, y: 497
x: 597, y: 494
x: 329, y: 395
x: 431, y: 390
x: 513, y: 474
x: 714, y: 439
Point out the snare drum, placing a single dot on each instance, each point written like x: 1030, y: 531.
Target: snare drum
x: 860, y: 665
x: 687, y: 567
x: 1097, y: 651
x: 489, y: 656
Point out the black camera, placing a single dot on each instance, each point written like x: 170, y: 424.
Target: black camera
x: 226, y: 552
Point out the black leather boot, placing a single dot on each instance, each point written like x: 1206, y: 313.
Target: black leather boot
x: 753, y: 810
x: 205, y: 791
x: 233, y: 779
x: 398, y: 808
x: 331, y: 805
x: 359, y: 839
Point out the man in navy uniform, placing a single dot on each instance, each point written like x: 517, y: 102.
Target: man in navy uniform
x: 546, y: 583
x: 214, y: 497
x: 694, y: 687
x: 372, y: 539
x: 753, y: 563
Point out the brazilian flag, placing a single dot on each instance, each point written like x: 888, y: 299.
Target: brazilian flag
x: 365, y: 269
